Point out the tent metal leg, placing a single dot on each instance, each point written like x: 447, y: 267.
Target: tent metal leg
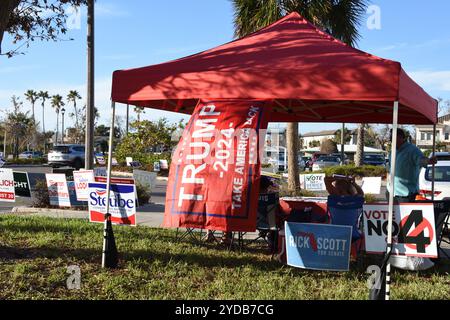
x: 342, y: 144
x: 109, y: 255
x: 391, y: 194
x: 433, y: 167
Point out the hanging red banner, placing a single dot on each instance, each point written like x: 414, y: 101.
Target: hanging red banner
x: 215, y: 170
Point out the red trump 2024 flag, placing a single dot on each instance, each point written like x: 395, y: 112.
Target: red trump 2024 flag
x: 215, y: 169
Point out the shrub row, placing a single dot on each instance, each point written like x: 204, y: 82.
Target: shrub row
x: 351, y: 170
x: 27, y: 161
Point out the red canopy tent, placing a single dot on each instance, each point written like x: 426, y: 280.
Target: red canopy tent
x: 300, y: 72
x: 307, y: 75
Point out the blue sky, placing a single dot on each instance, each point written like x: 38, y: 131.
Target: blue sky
x: 144, y: 32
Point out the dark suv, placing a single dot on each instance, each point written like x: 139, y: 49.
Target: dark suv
x: 374, y: 160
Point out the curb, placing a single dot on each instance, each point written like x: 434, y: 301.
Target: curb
x: 51, y: 212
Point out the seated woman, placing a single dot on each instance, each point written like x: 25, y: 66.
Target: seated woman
x: 342, y: 186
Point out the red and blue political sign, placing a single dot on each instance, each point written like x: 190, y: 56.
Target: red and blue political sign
x: 74, y: 202
x: 215, y: 170
x: 122, y: 203
x: 318, y: 246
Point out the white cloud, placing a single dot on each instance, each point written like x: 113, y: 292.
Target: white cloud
x: 102, y: 102
x: 15, y: 69
x: 118, y: 56
x: 434, y: 80
x: 110, y: 10
x: 391, y: 47
x: 420, y: 45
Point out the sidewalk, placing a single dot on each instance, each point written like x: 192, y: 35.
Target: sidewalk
x: 150, y: 215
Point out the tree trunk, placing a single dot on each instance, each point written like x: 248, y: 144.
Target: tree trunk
x: 292, y: 156
x: 32, y: 107
x: 77, y: 124
x: 6, y: 8
x: 360, y: 146
x: 57, y: 129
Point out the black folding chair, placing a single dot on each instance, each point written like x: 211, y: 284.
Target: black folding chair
x: 266, y: 220
x: 190, y: 233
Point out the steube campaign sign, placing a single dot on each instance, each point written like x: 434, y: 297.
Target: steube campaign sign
x: 122, y: 203
x: 214, y: 174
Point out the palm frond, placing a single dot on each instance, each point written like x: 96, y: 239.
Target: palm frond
x: 252, y: 15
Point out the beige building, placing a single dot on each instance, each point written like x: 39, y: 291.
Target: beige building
x: 309, y: 137
x: 424, y: 133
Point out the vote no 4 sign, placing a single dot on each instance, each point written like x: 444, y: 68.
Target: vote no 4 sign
x: 413, y: 229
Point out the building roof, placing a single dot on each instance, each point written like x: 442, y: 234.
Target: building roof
x: 350, y: 148
x: 444, y: 118
x: 319, y: 133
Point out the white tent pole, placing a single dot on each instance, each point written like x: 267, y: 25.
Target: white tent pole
x: 108, y: 182
x: 432, y: 170
x: 342, y: 144
x: 391, y: 194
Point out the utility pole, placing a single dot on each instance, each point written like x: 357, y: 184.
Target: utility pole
x: 62, y: 124
x: 89, y: 140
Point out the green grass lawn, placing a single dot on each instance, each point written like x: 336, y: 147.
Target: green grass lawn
x: 35, y: 253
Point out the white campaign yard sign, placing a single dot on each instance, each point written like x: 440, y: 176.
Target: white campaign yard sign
x: 145, y: 178
x: 100, y: 172
x: 371, y: 185
x: 413, y: 229
x: 7, y: 191
x: 57, y: 189
x: 313, y: 182
x: 82, y: 179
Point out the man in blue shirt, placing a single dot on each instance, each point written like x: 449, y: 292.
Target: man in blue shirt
x: 409, y: 161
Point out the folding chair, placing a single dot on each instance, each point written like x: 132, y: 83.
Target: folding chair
x: 191, y: 233
x: 442, y: 220
x: 347, y: 211
x: 266, y: 220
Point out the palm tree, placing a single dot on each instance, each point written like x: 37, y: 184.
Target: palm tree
x: 43, y: 95
x: 138, y: 111
x: 339, y: 18
x: 359, y: 155
x: 73, y: 96
x: 57, y: 104
x: 32, y: 96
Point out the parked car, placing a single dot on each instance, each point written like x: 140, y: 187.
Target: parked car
x: 281, y: 164
x: 339, y: 155
x: 324, y: 162
x: 441, y: 181
x: 374, y: 160
x: 308, y: 163
x: 30, y: 155
x: 441, y: 156
x: 278, y: 163
x: 67, y: 155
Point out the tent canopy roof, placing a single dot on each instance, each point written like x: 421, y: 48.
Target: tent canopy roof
x: 301, y: 72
